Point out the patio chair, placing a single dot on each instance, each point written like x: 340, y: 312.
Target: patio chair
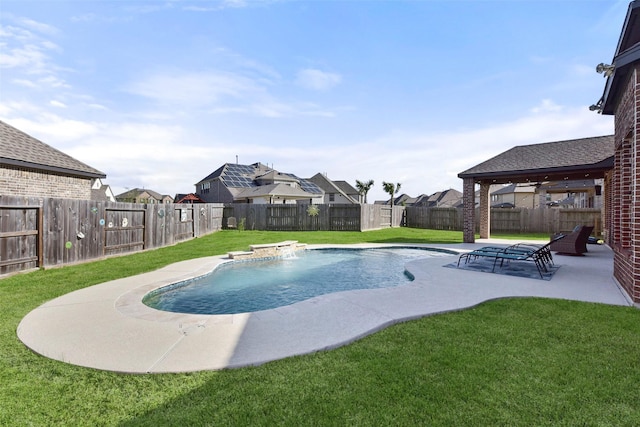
x: 540, y: 255
x: 543, y: 252
x: 574, y: 243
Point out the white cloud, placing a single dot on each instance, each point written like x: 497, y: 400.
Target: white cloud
x: 87, y: 17
x: 222, y: 92
x: 24, y: 52
x: 194, y: 88
x: 24, y: 82
x: 547, y: 105
x: 40, y: 27
x: 317, y: 80
x: 57, y: 104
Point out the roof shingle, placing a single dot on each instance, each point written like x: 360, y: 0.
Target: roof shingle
x: 547, y: 156
x: 20, y: 149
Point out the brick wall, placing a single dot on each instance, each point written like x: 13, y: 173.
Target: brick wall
x: 625, y: 197
x: 469, y: 206
x: 15, y: 181
x: 485, y: 211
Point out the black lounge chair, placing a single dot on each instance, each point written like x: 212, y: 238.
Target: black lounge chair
x: 540, y: 255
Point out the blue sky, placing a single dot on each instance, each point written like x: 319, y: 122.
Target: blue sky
x: 158, y: 94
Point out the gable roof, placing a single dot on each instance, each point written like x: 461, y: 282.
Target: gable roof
x: 329, y: 186
x: 19, y: 149
x: 570, y: 159
x: 273, y: 190
x: 447, y: 198
x: 514, y: 188
x: 137, y: 192
x: 345, y: 187
x: 187, y: 198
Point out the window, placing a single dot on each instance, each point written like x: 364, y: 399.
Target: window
x: 204, y: 187
x: 332, y: 197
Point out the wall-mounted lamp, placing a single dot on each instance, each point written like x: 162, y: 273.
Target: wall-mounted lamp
x: 605, y: 69
x: 597, y: 106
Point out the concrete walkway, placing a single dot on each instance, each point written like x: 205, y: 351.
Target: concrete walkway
x: 107, y: 327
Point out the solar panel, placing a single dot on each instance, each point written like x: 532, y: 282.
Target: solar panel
x: 239, y: 169
x: 310, y: 187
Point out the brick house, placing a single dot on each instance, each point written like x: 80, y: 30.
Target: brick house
x: 621, y: 98
x: 29, y: 167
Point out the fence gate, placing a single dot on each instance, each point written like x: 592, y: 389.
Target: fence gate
x: 282, y: 218
x: 124, y: 231
x: 20, y: 238
x: 184, y: 223
x: 385, y: 216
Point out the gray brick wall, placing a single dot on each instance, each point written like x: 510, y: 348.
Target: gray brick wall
x: 15, y: 181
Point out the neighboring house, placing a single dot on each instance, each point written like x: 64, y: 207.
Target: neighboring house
x: 256, y: 183
x: 401, y: 200
x: 187, y: 198
x: 338, y: 192
x: 145, y: 196
x: 29, y: 167
x: 441, y: 199
x: 584, y: 193
x: 492, y: 188
x: 566, y: 194
x: 101, y: 192
x: 515, y: 196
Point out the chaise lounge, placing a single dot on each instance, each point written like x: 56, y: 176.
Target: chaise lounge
x: 539, y: 255
x: 574, y: 243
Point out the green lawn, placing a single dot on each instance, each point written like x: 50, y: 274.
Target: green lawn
x: 507, y: 362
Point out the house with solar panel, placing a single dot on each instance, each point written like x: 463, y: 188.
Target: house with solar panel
x: 257, y: 183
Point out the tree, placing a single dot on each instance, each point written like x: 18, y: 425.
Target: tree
x: 390, y: 189
x: 363, y: 188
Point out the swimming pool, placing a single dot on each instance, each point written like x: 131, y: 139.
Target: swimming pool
x: 239, y: 287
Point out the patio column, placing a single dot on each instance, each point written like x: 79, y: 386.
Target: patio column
x: 485, y: 211
x: 469, y: 210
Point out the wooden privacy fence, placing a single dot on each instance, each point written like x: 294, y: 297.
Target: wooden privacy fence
x: 434, y: 218
x: 313, y: 217
x: 550, y: 221
x: 518, y: 220
x: 42, y: 232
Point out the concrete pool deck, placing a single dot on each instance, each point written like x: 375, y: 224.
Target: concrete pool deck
x: 107, y: 327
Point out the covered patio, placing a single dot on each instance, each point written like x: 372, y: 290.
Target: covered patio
x: 585, y: 158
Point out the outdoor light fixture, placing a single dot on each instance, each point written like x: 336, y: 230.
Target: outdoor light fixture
x: 605, y: 68
x: 597, y: 106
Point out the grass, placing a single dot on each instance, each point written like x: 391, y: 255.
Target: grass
x: 507, y: 362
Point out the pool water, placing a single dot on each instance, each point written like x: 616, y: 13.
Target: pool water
x: 247, y: 286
